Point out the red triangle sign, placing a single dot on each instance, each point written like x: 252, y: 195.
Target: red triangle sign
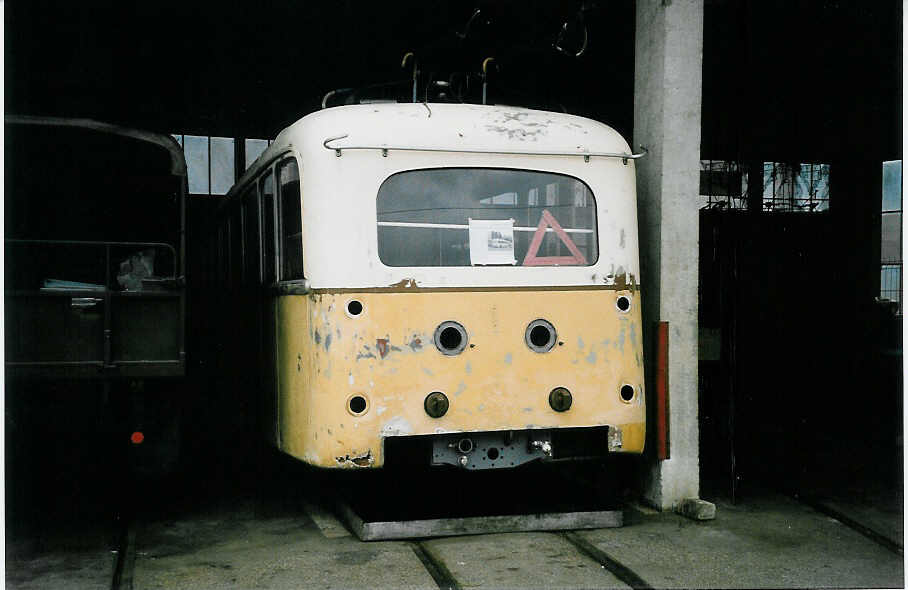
x: 548, y: 220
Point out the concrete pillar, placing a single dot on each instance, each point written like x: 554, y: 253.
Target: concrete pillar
x: 667, y: 91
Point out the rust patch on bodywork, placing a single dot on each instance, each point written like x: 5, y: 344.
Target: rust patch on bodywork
x: 382, y: 345
x: 404, y: 284
x: 626, y: 281
x: 355, y: 460
x: 415, y: 344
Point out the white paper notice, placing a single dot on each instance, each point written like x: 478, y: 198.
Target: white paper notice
x: 492, y: 241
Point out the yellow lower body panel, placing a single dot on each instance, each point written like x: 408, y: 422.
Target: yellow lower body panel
x: 387, y: 355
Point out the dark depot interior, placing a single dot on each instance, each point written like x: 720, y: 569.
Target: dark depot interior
x: 800, y: 371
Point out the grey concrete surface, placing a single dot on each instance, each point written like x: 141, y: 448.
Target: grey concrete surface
x: 667, y: 95
x: 77, y: 560
x: 769, y: 543
x: 234, y: 549
x: 520, y: 560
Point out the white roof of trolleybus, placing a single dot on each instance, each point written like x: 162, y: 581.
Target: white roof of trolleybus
x: 340, y: 187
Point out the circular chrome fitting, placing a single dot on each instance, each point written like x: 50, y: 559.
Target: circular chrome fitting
x: 465, y: 445
x: 623, y: 303
x: 450, y: 338
x: 560, y: 399
x: 627, y: 393
x: 541, y: 336
x: 436, y: 404
x: 357, y: 405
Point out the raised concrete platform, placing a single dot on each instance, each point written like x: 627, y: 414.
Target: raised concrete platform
x: 477, y: 525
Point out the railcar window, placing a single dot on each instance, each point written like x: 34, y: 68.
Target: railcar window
x: 253, y: 231
x: 486, y: 216
x: 269, y: 251
x: 223, y: 266
x: 291, y: 222
x: 236, y: 247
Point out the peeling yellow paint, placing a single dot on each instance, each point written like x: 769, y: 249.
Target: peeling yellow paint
x: 500, y: 385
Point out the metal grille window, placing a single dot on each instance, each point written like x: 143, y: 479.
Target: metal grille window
x: 722, y: 185
x: 221, y: 171
x: 891, y: 234
x: 784, y: 187
x: 795, y: 187
x: 254, y: 149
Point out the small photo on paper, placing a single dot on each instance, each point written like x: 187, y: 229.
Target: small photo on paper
x: 500, y: 241
x: 492, y: 242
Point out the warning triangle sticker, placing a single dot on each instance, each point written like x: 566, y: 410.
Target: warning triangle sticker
x: 546, y: 221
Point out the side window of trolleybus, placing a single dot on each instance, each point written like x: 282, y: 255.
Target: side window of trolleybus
x: 266, y: 186
x: 486, y: 216
x: 251, y: 235
x: 291, y: 221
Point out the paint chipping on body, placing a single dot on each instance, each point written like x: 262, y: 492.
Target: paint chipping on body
x: 382, y: 345
x: 428, y: 371
x: 415, y: 344
x: 397, y: 426
x: 508, y: 359
x: 468, y: 368
x: 355, y: 460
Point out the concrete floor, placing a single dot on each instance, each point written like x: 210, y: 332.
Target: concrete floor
x: 254, y: 542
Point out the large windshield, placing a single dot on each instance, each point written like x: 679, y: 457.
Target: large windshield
x: 484, y: 217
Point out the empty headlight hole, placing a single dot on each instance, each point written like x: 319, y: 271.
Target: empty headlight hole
x: 623, y: 304
x: 492, y: 453
x: 354, y: 308
x: 357, y: 405
x: 541, y: 336
x: 450, y: 338
x: 627, y: 393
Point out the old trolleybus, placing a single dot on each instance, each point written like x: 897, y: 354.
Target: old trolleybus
x: 457, y: 277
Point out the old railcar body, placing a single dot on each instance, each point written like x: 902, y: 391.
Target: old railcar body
x: 458, y: 278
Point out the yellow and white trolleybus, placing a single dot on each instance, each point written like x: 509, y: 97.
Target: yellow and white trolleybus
x: 457, y: 278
